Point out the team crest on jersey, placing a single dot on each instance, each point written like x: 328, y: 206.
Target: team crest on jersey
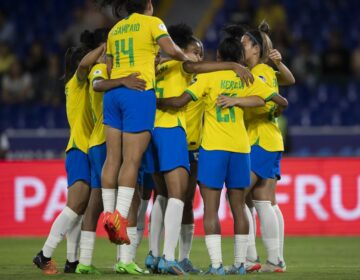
x: 162, y: 27
x: 97, y: 72
x: 262, y: 78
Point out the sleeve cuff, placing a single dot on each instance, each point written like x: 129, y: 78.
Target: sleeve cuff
x: 161, y: 36
x: 193, y: 96
x: 267, y: 99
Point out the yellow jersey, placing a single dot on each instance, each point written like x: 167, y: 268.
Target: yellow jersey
x: 224, y: 129
x: 194, y: 123
x: 78, y: 111
x: 171, y: 81
x: 262, y: 126
x: 98, y: 71
x: 132, y: 43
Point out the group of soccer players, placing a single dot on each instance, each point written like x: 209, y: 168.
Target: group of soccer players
x: 141, y: 123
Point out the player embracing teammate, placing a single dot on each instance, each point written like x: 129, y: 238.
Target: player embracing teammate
x: 147, y: 120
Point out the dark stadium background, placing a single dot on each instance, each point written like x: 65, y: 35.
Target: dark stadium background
x: 319, y: 40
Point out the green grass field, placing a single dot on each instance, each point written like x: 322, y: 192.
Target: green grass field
x: 306, y: 258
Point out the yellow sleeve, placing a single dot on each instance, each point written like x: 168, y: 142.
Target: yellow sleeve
x: 99, y: 71
x: 108, y: 46
x: 158, y: 28
x: 199, y: 87
x: 261, y: 89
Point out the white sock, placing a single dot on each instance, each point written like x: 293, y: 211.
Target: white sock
x: 127, y: 253
x: 157, y: 224
x: 269, y: 229
x: 141, y: 215
x: 172, y: 225
x: 87, y: 243
x: 186, y: 238
x: 251, y: 254
x: 240, y: 248
x: 253, y: 214
x: 213, y: 244
x: 59, y: 228
x: 124, y: 199
x: 108, y: 197
x: 73, y: 239
x: 281, y: 223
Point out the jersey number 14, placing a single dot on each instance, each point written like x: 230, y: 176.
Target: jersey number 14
x: 123, y: 48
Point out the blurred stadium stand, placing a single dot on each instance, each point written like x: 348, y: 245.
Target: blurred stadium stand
x: 323, y: 117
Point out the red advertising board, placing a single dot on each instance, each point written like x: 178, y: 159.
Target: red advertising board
x: 318, y: 196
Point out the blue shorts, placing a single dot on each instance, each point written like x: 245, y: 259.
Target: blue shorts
x: 194, y: 156
x: 219, y: 167
x: 77, y: 166
x: 265, y: 164
x: 148, y: 160
x: 97, y: 156
x: 130, y: 110
x: 170, y: 149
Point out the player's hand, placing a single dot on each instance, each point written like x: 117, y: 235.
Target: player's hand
x: 226, y: 101
x: 275, y: 56
x: 132, y: 81
x: 244, y: 74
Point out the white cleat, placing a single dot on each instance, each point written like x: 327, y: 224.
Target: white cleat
x: 252, y: 266
x: 270, y: 267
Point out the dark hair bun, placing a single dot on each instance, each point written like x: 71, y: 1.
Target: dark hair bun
x: 181, y: 30
x: 87, y: 39
x: 234, y: 30
x: 264, y: 27
x: 182, y: 34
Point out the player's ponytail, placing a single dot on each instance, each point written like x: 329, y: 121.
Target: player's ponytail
x: 267, y: 45
x: 182, y: 35
x: 73, y: 57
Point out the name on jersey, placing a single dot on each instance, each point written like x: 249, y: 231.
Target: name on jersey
x: 126, y: 28
x: 231, y: 85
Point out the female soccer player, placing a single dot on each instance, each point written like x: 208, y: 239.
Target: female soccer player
x: 78, y: 110
x: 98, y: 83
x: 224, y: 152
x: 266, y: 148
x: 169, y: 139
x: 129, y: 114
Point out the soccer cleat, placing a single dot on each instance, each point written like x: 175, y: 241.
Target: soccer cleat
x: 87, y: 269
x: 130, y: 268
x: 115, y: 226
x: 152, y: 262
x: 234, y: 270
x: 215, y: 271
x: 188, y: 267
x: 252, y: 266
x: 47, y: 265
x: 170, y: 267
x: 270, y: 267
x: 70, y: 267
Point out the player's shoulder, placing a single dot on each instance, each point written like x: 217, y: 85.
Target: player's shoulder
x: 263, y: 70
x: 98, y: 69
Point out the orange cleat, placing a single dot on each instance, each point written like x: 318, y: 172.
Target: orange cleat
x: 47, y: 265
x: 115, y: 225
x: 50, y: 268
